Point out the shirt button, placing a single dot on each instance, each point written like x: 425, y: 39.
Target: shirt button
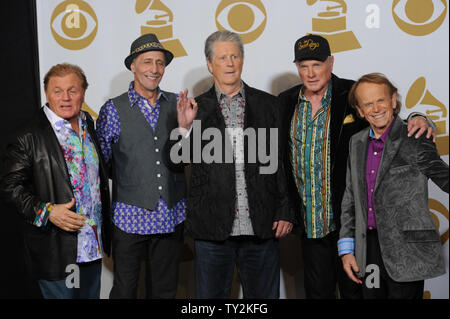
x: 155, y: 138
x: 158, y: 175
x: 372, y: 171
x: 160, y: 187
x: 156, y: 150
x: 158, y: 162
x: 370, y: 209
x: 375, y: 153
x: 371, y: 190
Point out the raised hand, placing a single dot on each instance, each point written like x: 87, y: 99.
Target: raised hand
x: 186, y: 111
x: 418, y: 125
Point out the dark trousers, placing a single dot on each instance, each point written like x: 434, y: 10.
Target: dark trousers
x: 257, y: 263
x: 88, y: 283
x: 388, y: 288
x: 162, y: 253
x: 323, y: 270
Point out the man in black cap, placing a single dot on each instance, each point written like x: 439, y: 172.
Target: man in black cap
x: 317, y: 123
x: 148, y: 197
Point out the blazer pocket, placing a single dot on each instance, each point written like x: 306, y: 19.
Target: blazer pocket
x: 400, y: 169
x: 420, y: 236
x: 349, y: 119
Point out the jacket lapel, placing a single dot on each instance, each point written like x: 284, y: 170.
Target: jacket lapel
x: 209, y: 111
x: 249, y: 117
x: 92, y: 133
x: 391, y: 148
x: 338, y: 109
x: 360, y: 160
x: 53, y: 147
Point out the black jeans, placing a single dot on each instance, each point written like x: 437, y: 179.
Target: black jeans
x: 257, y: 261
x: 388, y: 288
x: 323, y: 270
x: 163, y: 257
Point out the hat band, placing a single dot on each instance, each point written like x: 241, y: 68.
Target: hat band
x: 152, y: 44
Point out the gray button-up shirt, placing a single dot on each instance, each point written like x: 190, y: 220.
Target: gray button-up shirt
x: 233, y: 111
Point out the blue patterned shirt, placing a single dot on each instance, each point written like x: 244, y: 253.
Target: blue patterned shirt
x: 129, y: 218
x: 310, y: 149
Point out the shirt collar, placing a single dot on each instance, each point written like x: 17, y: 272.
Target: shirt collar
x: 58, y: 122
x: 221, y: 95
x: 326, y: 96
x: 384, y: 135
x: 135, y: 97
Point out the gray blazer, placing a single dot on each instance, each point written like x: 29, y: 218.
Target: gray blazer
x: 409, y: 241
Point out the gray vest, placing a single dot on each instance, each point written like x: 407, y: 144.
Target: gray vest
x: 140, y: 172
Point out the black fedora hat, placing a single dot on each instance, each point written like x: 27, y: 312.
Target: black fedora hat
x: 146, y: 42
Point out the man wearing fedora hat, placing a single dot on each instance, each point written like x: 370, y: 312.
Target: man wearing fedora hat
x: 148, y: 206
x: 317, y: 123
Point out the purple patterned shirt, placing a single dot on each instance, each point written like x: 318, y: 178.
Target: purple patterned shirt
x: 374, y: 154
x: 129, y: 218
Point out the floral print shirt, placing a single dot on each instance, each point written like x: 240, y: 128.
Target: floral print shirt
x: 83, y: 166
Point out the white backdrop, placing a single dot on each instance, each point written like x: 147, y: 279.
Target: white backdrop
x: 405, y: 39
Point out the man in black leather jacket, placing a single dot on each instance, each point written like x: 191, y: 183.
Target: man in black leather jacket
x: 54, y: 176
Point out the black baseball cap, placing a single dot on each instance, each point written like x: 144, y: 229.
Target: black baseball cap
x: 311, y: 47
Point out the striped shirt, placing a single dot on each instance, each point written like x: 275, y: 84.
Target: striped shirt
x: 310, y: 149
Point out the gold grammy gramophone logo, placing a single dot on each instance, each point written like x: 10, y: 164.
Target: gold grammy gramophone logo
x: 248, y: 18
x: 418, y: 94
x: 332, y: 25
x: 161, y: 24
x: 74, y: 24
x: 419, y: 17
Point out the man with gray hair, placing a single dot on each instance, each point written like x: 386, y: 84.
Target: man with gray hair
x: 236, y: 212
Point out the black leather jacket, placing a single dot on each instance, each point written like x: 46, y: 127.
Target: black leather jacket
x: 35, y: 172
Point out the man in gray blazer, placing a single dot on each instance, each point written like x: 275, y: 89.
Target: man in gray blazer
x: 386, y: 224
